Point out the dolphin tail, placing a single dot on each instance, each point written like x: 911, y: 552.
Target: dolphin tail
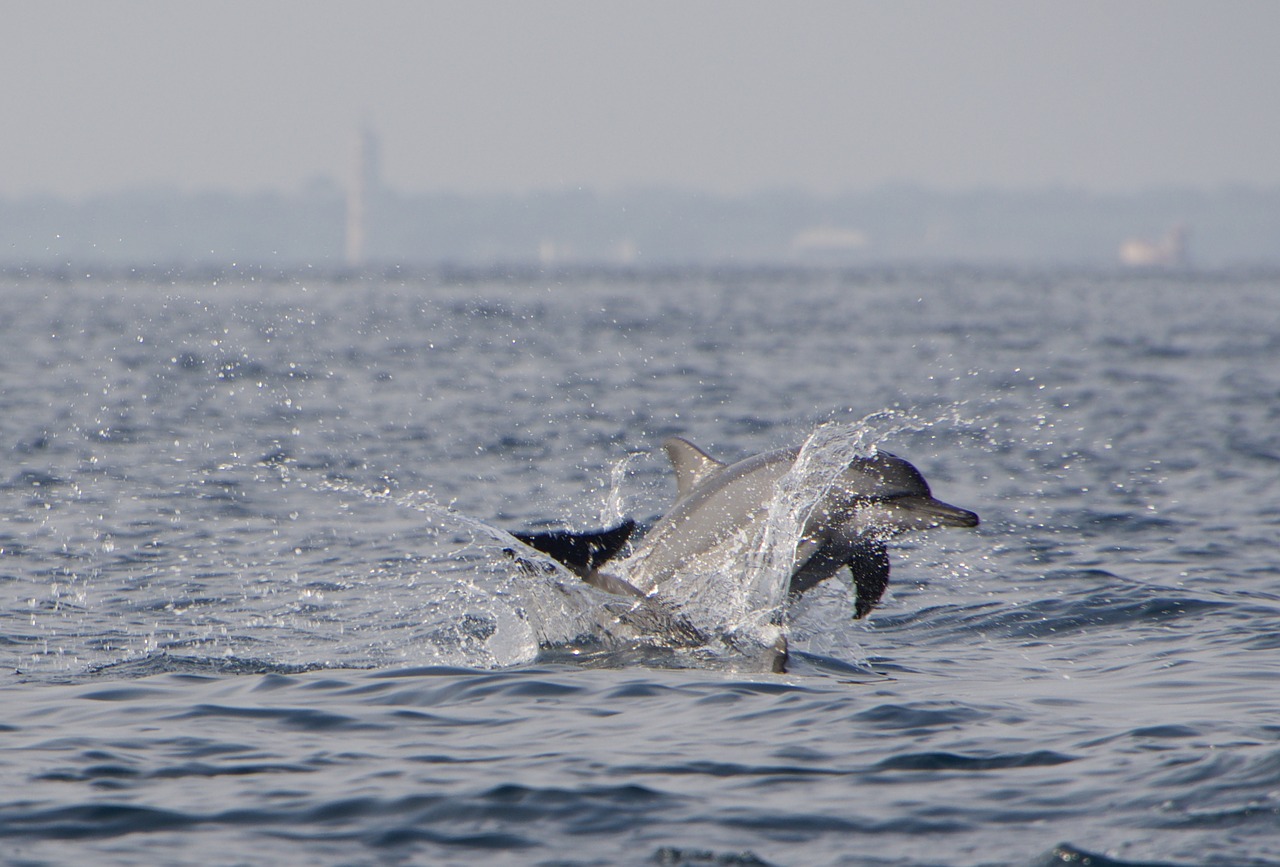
x: 584, y: 554
x: 581, y: 553
x: 869, y: 564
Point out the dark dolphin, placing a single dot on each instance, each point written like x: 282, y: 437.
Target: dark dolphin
x: 873, y: 499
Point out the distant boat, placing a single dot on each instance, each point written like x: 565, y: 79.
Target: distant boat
x: 1169, y: 252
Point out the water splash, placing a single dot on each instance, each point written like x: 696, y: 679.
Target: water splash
x: 821, y: 461
x: 491, y: 601
x: 739, y: 591
x: 615, y: 509
x: 495, y: 601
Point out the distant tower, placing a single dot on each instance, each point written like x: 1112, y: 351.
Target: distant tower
x: 366, y: 184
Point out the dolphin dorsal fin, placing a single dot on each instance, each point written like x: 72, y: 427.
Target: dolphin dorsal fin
x: 692, y: 465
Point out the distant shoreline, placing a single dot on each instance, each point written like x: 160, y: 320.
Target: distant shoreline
x: 533, y: 273
x: 639, y: 229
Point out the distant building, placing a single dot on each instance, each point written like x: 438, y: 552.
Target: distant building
x: 1169, y: 252
x: 366, y: 184
x: 827, y: 242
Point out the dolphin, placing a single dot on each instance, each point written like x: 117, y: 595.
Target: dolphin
x: 873, y: 499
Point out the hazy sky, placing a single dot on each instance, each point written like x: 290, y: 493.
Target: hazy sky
x: 723, y: 96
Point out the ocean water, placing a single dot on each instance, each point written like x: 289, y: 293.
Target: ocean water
x: 255, y: 606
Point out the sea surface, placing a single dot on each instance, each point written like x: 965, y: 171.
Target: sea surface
x: 258, y: 604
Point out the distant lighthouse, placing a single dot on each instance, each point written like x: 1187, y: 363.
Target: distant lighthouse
x: 366, y: 182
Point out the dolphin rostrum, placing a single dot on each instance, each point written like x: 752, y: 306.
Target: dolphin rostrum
x: 871, y: 500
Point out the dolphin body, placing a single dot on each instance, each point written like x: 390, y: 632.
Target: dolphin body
x: 873, y: 499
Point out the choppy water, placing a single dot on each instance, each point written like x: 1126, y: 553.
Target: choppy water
x: 253, y: 605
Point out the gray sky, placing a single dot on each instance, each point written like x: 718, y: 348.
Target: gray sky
x: 1104, y: 95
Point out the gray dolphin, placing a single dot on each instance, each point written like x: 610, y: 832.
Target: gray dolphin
x: 873, y: 499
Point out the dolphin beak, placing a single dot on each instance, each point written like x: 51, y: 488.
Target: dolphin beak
x: 928, y: 512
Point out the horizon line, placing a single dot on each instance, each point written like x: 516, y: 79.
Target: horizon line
x: 335, y: 185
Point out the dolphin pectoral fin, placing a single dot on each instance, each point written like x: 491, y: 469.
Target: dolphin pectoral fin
x: 868, y: 561
x: 692, y: 465
x: 869, y: 564
x: 816, y: 563
x: 581, y: 553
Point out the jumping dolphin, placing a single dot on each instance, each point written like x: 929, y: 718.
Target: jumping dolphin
x: 873, y: 499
